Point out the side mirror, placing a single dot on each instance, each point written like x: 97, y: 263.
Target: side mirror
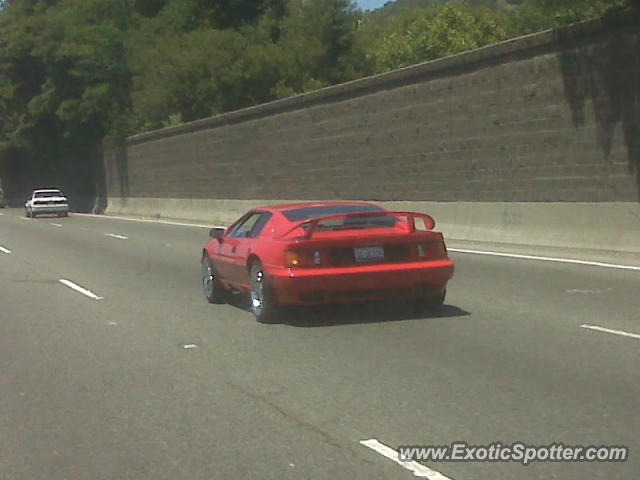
x: 217, y: 233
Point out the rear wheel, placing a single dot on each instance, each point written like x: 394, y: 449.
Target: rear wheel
x: 214, y: 291
x: 263, y: 304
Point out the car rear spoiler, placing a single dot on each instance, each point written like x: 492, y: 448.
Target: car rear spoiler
x: 312, y: 223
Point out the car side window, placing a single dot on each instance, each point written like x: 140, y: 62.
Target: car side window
x: 260, y: 224
x: 251, y: 226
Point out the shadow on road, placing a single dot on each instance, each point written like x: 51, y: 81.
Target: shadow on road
x: 356, y: 313
x: 372, y: 312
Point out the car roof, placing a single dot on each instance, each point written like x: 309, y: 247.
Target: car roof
x: 292, y: 206
x: 47, y: 190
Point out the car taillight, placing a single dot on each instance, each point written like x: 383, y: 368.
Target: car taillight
x: 291, y: 259
x: 431, y: 250
x: 302, y: 258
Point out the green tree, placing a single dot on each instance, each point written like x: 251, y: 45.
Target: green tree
x: 185, y: 76
x: 149, y: 8
x: 427, y: 34
x: 318, y: 37
x: 536, y: 15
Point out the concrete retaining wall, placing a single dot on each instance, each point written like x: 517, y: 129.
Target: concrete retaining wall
x: 527, y: 141
x: 584, y: 226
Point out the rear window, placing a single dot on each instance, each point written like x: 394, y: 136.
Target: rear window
x: 50, y: 193
x: 306, y: 213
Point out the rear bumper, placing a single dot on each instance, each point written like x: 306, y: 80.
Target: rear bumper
x: 312, y: 286
x: 49, y: 208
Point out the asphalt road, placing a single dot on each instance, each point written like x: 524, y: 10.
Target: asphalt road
x: 105, y: 388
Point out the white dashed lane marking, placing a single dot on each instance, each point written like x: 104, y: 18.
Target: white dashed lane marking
x: 418, y: 469
x: 79, y: 289
x: 114, y: 235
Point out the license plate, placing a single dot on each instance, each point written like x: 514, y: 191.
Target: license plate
x: 368, y: 254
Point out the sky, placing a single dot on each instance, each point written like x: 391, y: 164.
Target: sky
x: 370, y: 4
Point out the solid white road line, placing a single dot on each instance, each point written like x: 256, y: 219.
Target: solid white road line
x: 546, y: 259
x: 113, y: 235
x: 56, y: 224
x: 80, y: 289
x: 609, y: 330
x: 586, y: 290
x: 4, y: 250
x: 145, y: 220
x: 418, y: 469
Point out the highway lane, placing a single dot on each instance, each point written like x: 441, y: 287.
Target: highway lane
x: 104, y: 388
x: 97, y: 400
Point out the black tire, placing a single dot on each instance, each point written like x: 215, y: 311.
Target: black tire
x: 262, y: 300
x: 214, y: 291
x: 430, y: 304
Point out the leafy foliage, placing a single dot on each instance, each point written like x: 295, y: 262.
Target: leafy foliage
x: 536, y: 15
x: 433, y: 33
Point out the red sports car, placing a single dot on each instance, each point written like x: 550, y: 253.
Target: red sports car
x: 317, y: 253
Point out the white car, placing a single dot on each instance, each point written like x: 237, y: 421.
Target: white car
x: 49, y: 200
